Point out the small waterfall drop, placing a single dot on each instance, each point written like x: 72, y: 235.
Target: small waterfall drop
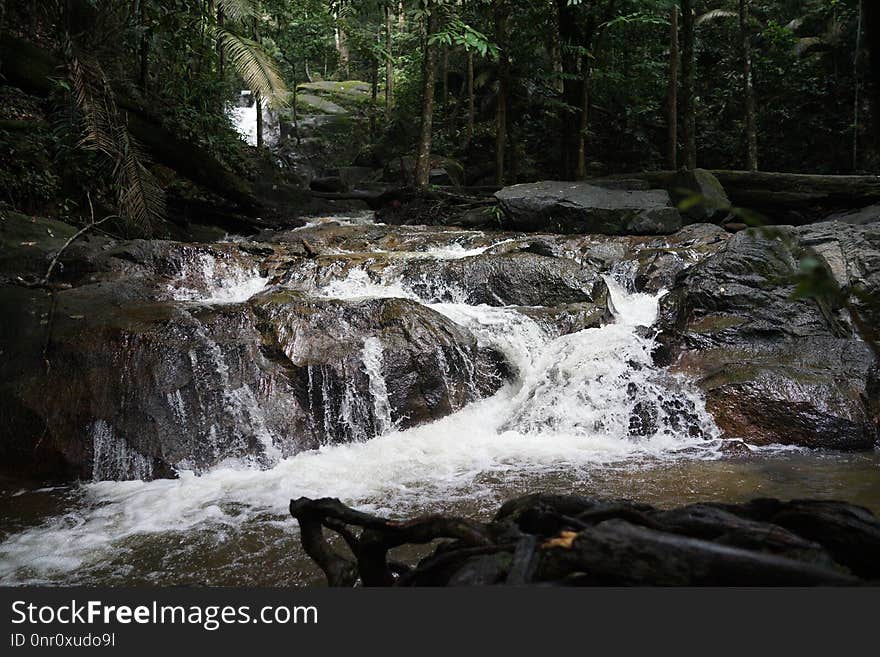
x: 113, y: 458
x: 372, y: 356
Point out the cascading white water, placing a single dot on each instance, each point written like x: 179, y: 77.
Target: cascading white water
x: 372, y: 357
x: 244, y: 120
x: 221, y: 282
x: 568, y: 411
x: 113, y: 458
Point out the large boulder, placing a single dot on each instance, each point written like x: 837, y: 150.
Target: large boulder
x: 859, y: 217
x: 113, y: 384
x: 362, y: 367
x: 775, y: 368
x: 508, y: 279
x: 578, y: 207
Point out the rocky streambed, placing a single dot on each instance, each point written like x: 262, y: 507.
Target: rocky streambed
x: 408, y: 368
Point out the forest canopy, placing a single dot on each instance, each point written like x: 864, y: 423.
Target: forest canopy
x: 513, y: 91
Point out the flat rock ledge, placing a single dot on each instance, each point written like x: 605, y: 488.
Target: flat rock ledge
x: 563, y: 540
x: 577, y: 207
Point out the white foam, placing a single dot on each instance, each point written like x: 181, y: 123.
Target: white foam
x: 358, y: 284
x: 565, y: 414
x: 224, y: 283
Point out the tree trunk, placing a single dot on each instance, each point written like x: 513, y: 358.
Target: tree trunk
x: 502, y: 18
x: 748, y: 88
x: 389, y: 65
x: 571, y: 39
x: 429, y: 81
x: 584, y: 124
x: 672, y: 96
x: 295, y: 112
x: 871, y: 19
x: 374, y: 89
x: 472, y: 105
x: 259, y: 106
x: 556, y: 56
x: 444, y: 76
x: 857, y: 90
x: 259, y: 100
x: 342, y: 45
x: 2, y: 26
x: 688, y: 65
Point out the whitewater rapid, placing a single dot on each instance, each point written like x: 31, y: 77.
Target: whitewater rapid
x: 565, y: 412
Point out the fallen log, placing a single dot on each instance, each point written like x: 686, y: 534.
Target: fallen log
x: 571, y: 540
x: 781, y: 197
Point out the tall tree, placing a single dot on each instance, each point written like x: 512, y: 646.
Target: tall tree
x: 572, y: 39
x: 389, y: 64
x: 471, y: 97
x: 748, y: 88
x: 672, y: 94
x: 502, y: 38
x: 857, y: 59
x: 429, y: 81
x: 688, y: 66
x: 578, y: 24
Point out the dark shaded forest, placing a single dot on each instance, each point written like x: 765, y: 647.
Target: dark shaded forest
x: 134, y: 97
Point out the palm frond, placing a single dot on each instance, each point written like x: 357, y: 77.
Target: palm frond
x: 715, y: 14
x: 140, y: 198
x: 255, y: 66
x: 238, y: 9
x: 139, y: 195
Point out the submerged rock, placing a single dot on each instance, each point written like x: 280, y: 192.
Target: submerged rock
x: 577, y: 207
x: 775, y: 368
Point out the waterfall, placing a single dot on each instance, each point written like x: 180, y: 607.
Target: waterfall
x: 113, y: 458
x: 372, y: 357
x: 574, y: 404
x: 207, y: 279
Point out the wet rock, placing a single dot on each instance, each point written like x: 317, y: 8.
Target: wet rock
x: 329, y: 184
x: 775, y: 369
x: 570, y: 318
x: 704, y: 195
x: 736, y: 449
x: 365, y: 366
x: 510, y: 279
x: 860, y: 217
x: 660, y: 264
x: 850, y: 533
x: 140, y: 388
x: 852, y: 256
x: 570, y: 207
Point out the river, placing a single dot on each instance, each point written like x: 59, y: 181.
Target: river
x: 561, y: 424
